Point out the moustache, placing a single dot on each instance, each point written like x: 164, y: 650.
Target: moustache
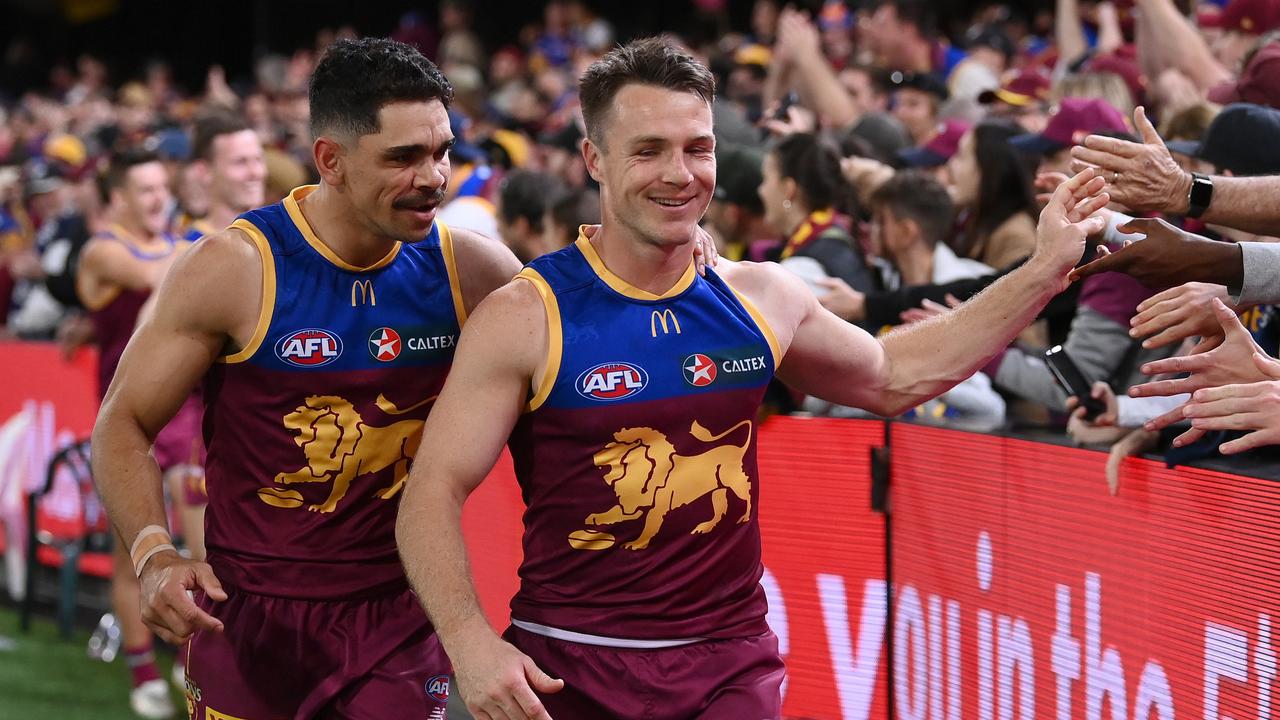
x: 418, y: 200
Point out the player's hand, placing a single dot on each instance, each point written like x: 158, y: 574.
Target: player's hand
x: 1045, y: 183
x: 498, y: 681
x: 1253, y: 407
x: 1142, y: 176
x: 705, y: 253
x: 168, y: 608
x: 1179, y: 313
x: 842, y: 300
x: 1070, y: 217
x: 1233, y: 362
x: 1167, y: 256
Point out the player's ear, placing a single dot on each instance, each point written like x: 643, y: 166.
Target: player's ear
x: 329, y: 155
x: 592, y: 155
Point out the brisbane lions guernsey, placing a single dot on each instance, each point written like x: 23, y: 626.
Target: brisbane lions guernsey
x: 115, y: 318
x: 312, y: 426
x: 637, y: 458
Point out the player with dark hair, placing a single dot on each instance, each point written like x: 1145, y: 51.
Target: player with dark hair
x: 322, y: 327
x: 118, y: 270
x: 640, y: 585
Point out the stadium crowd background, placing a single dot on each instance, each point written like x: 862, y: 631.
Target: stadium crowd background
x: 894, y: 153
x: 913, y: 147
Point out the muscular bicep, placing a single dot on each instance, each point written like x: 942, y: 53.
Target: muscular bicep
x: 835, y: 361
x: 486, y: 391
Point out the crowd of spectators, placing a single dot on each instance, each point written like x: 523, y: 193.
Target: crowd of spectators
x: 895, y: 164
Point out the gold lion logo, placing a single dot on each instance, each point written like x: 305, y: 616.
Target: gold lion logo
x: 650, y: 480
x: 340, y: 446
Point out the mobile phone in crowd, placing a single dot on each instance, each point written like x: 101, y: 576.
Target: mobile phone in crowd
x: 785, y: 106
x: 1073, y: 382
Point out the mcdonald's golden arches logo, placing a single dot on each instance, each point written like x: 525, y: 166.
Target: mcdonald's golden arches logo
x: 365, y: 288
x: 662, y: 317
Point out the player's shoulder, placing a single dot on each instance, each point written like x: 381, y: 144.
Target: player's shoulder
x: 231, y: 247
x: 484, y: 264
x: 761, y: 281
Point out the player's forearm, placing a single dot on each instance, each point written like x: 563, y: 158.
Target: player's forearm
x: 127, y: 476
x: 927, y: 359
x: 429, y: 535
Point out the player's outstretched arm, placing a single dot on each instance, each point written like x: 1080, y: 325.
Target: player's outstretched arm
x: 211, y: 296
x: 500, y: 350
x: 914, y: 363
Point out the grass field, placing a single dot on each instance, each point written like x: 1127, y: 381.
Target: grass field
x: 43, y: 677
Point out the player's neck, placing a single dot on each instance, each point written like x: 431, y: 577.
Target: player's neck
x: 648, y: 266
x: 334, y: 222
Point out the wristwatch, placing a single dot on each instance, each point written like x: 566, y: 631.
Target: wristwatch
x: 1200, y: 195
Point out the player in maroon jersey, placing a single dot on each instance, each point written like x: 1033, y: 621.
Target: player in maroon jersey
x: 638, y: 468
x: 118, y: 271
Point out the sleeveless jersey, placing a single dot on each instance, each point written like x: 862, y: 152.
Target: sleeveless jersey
x: 637, y: 457
x: 311, y: 427
x: 115, y: 318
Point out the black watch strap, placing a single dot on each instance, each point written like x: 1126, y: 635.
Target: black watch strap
x: 1200, y: 196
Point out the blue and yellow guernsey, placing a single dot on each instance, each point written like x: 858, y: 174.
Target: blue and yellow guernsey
x: 312, y: 426
x: 636, y: 457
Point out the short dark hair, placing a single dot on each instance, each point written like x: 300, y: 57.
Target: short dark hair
x: 650, y: 61
x: 913, y: 195
x: 523, y: 194
x: 117, y: 170
x: 356, y: 78
x: 814, y: 163
x: 212, y: 126
x: 572, y: 207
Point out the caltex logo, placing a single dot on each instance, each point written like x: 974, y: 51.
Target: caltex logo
x: 384, y: 344
x: 699, y: 370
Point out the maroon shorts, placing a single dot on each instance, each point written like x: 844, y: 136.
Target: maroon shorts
x: 739, y: 679
x: 180, y: 443
x: 281, y: 658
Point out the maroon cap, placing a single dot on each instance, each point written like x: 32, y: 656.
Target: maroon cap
x: 1072, y: 116
x: 944, y: 143
x: 1253, y: 17
x: 1259, y: 83
x: 1020, y: 89
x: 1122, y: 62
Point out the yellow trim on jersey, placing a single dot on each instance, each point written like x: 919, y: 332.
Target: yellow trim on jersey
x: 555, y: 338
x: 268, y: 291
x: 622, y: 286
x: 763, y: 325
x: 451, y: 267
x: 304, y: 227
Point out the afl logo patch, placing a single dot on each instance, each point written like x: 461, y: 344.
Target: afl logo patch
x: 384, y: 344
x: 309, y: 348
x: 612, y: 381
x: 438, y: 688
x: 699, y: 370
